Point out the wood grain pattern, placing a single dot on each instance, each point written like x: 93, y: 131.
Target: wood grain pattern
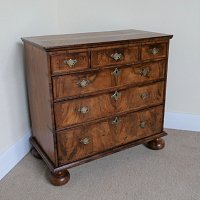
x: 75, y: 118
x: 66, y: 113
x: 39, y: 94
x: 105, y: 135
x: 146, y: 53
x: 69, y: 85
x: 58, y: 64
x: 51, y: 42
x: 101, y: 56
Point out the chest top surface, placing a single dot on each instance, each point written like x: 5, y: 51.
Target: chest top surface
x: 55, y: 41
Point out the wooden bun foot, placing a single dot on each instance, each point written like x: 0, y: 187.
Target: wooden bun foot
x: 156, y: 144
x: 59, y: 178
x: 35, y: 153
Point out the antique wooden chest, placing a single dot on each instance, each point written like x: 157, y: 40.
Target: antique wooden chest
x: 93, y: 94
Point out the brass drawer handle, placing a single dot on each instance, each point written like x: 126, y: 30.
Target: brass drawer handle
x: 116, y: 56
x: 154, y: 50
x: 85, y: 141
x: 116, y: 72
x: 145, y: 71
x: 83, y: 110
x: 116, y: 95
x: 144, y: 95
x: 70, y: 62
x: 142, y: 124
x: 83, y: 83
x: 116, y: 121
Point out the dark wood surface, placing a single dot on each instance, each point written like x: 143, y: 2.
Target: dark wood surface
x: 69, y: 85
x: 156, y: 144
x: 40, y: 96
x: 59, y: 178
x: 65, y: 137
x: 54, y: 168
x: 57, y: 41
x: 102, y: 56
x: 66, y: 113
x: 146, y: 51
x: 106, y: 135
x: 58, y: 64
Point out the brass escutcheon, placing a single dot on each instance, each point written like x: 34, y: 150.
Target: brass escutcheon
x: 142, y: 124
x: 154, y: 50
x: 144, y: 95
x: 70, y: 62
x: 144, y: 71
x: 116, y: 56
x: 83, y: 110
x: 116, y: 95
x: 85, y: 141
x: 116, y: 72
x: 116, y: 121
x: 83, y: 83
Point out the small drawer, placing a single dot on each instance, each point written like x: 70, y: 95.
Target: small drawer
x: 85, y: 109
x: 69, y: 61
x: 154, y: 51
x: 123, y: 54
x: 85, y: 83
x: 78, y: 143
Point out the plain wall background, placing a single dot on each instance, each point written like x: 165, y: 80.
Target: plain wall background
x: 39, y: 17
x: 17, y: 19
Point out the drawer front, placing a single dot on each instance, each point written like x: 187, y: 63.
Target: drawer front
x: 85, y: 109
x: 153, y: 51
x: 69, y: 61
x: 79, y: 84
x: 123, y: 54
x: 79, y: 143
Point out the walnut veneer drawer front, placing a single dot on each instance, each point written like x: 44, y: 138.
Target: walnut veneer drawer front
x: 83, y: 83
x: 94, y: 94
x: 153, y: 51
x: 123, y: 54
x: 85, y: 109
x: 81, y: 142
x: 70, y: 61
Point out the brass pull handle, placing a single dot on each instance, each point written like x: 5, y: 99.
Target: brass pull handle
x: 154, y: 50
x: 85, y: 141
x: 145, y: 71
x: 116, y: 95
x: 116, y: 72
x: 116, y: 56
x: 83, y: 110
x: 142, y: 124
x: 144, y: 95
x: 83, y: 83
x: 116, y: 121
x: 70, y: 62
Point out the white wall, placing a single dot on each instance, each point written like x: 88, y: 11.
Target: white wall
x: 17, y: 19
x: 177, y: 17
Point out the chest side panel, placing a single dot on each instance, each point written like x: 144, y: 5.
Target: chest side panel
x: 39, y: 93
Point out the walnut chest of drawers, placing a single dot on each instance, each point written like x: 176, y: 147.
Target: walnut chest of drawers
x: 93, y: 94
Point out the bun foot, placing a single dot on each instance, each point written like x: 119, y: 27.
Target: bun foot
x: 156, y: 144
x: 35, y: 153
x: 59, y: 178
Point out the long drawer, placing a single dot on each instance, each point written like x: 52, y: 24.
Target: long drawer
x: 84, y: 83
x: 78, y: 143
x: 85, y: 109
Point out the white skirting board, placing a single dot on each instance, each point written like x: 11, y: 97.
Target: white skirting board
x: 182, y: 121
x: 15, y: 153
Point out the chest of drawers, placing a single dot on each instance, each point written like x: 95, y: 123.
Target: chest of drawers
x: 93, y: 94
